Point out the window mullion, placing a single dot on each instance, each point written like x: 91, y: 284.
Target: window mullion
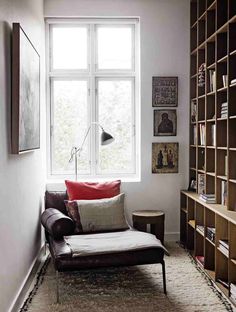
x: 93, y: 99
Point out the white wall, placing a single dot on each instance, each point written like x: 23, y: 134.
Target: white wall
x: 164, y: 51
x: 22, y: 178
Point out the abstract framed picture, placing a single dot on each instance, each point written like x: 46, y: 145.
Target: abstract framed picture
x: 164, y: 122
x: 164, y: 91
x: 165, y: 157
x: 25, y: 93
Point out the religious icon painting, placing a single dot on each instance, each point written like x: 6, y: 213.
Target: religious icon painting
x: 165, y: 157
x: 165, y: 122
x: 164, y: 91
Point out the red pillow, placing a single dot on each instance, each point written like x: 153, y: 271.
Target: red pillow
x: 91, y: 190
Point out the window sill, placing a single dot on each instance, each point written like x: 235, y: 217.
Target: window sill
x: 59, y: 184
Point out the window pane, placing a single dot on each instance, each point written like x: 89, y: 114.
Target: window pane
x: 70, y: 124
x: 114, y: 47
x: 115, y: 115
x: 69, y: 47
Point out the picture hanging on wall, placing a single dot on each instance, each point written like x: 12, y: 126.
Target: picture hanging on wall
x: 165, y: 157
x: 165, y: 122
x: 25, y: 93
x: 164, y: 91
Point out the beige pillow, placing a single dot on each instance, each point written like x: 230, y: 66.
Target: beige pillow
x: 98, y: 215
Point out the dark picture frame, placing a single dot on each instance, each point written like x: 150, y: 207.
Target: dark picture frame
x: 25, y: 93
x: 165, y: 157
x: 164, y: 91
x: 164, y: 122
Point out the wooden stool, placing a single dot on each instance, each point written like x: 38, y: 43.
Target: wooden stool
x: 155, y: 218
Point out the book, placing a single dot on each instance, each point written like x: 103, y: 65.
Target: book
x: 200, y: 228
x: 195, y: 135
x: 224, y: 193
x: 212, y: 75
x: 226, y: 165
x: 213, y: 135
x: 201, y: 183
x: 202, y: 130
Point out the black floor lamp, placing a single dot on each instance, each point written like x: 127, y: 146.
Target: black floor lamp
x: 106, y: 138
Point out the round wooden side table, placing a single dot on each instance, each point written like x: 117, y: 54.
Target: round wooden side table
x: 155, y: 218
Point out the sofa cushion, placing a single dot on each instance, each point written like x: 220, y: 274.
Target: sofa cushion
x: 56, y: 223
x: 98, y: 215
x: 114, y: 242
x: 92, y: 190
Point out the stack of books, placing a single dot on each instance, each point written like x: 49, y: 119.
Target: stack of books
x: 200, y: 228
x: 224, y: 110
x: 195, y: 135
x: 224, y: 246
x: 211, y: 233
x: 233, y: 291
x: 202, y: 130
x: 208, y: 198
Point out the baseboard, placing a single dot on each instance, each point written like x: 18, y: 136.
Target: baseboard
x: 23, y: 291
x: 171, y: 236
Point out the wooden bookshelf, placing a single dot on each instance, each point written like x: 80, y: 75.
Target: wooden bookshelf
x: 196, y: 218
x: 213, y: 128
x: 212, y: 139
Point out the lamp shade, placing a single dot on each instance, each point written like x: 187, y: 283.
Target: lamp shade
x: 106, y: 138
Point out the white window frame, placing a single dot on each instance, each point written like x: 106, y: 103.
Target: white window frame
x: 93, y: 74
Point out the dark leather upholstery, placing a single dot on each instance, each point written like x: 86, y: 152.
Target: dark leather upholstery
x: 56, y: 200
x: 56, y: 223
x: 63, y: 260
x: 62, y: 255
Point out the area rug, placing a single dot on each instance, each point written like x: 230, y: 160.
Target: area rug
x: 128, y: 289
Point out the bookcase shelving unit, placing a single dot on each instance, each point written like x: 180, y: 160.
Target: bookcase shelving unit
x: 212, y: 141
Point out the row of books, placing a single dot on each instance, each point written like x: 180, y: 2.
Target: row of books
x: 211, y: 233
x: 202, y: 133
x: 208, y: 198
x: 224, y: 246
x: 224, y: 110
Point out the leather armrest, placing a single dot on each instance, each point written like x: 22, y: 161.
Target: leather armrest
x: 56, y: 223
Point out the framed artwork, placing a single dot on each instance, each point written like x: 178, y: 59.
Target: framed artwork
x: 165, y: 122
x: 25, y: 93
x: 165, y: 157
x: 164, y: 91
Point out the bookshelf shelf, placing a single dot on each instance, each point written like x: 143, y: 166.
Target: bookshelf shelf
x: 209, y: 241
x: 223, y: 59
x: 223, y: 89
x: 222, y: 177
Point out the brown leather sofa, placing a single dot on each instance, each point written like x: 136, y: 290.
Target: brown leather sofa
x: 57, y: 225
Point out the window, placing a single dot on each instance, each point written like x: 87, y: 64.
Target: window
x: 93, y: 74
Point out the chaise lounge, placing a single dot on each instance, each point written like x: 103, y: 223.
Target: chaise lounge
x: 72, y: 252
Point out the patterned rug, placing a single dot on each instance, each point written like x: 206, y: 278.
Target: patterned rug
x: 128, y: 289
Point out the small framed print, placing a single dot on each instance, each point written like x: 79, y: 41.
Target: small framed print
x: 164, y: 122
x: 164, y: 91
x: 165, y: 157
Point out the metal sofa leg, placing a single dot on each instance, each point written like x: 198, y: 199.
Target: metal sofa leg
x: 57, y: 287
x: 164, y: 276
